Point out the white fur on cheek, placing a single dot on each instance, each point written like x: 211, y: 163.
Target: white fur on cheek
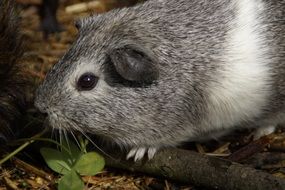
x: 242, y: 88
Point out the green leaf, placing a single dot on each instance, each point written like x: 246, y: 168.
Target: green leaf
x: 89, y: 164
x: 72, y: 150
x: 56, y: 160
x: 71, y: 181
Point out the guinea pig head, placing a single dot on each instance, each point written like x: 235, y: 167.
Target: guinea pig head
x: 113, y: 83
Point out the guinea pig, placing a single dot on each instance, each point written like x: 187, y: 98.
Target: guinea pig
x: 168, y: 71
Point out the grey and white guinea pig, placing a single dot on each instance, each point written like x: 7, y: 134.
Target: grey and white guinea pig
x: 164, y: 72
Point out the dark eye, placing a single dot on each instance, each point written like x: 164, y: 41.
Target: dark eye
x: 87, y: 81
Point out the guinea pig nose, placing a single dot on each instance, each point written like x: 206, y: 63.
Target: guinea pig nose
x: 41, y: 112
x: 44, y: 114
x: 41, y: 108
x: 40, y: 105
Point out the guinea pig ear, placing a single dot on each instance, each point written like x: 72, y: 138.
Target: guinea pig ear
x: 134, y: 65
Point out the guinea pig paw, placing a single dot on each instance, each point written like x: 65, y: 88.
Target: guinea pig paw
x: 139, y: 152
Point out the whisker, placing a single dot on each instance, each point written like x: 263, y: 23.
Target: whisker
x: 54, y: 133
x: 96, y: 146
x: 75, y: 138
x: 66, y: 139
x: 60, y: 135
x: 75, y: 126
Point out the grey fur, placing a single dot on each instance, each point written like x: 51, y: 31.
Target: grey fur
x: 190, y: 43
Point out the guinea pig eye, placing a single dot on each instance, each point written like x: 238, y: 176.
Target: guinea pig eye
x: 87, y: 81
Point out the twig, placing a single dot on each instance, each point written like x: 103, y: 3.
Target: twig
x: 82, y: 7
x: 34, y: 170
x: 252, y: 148
x: 20, y: 148
x: 201, y: 170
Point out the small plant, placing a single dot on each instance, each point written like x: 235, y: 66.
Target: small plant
x: 72, y: 162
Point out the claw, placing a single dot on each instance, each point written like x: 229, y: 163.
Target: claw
x: 131, y: 153
x: 151, y: 152
x: 139, y: 152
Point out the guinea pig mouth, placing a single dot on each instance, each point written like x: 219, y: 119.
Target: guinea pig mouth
x: 54, y: 120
